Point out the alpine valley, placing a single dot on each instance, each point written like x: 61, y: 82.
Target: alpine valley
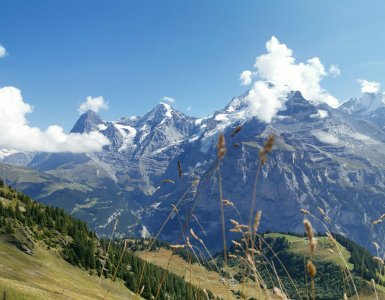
x: 332, y: 158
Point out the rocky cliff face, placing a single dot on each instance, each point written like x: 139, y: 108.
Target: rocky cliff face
x: 323, y: 157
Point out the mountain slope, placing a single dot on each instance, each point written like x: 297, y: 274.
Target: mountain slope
x: 322, y: 157
x: 47, y: 276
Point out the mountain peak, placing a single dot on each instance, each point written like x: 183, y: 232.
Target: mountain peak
x: 366, y: 104
x: 298, y: 108
x: 164, y: 109
x: 87, y: 122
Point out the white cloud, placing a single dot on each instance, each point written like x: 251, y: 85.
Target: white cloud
x: 3, y: 51
x: 17, y: 134
x: 168, y: 99
x: 188, y: 108
x: 245, y: 77
x: 369, y: 86
x: 94, y: 104
x: 279, y: 74
x: 334, y: 71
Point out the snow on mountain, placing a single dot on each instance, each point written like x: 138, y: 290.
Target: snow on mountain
x: 323, y: 157
x: 369, y: 106
x: 366, y: 104
x: 5, y: 152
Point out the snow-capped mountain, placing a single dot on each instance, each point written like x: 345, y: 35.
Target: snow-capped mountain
x: 323, y: 157
x: 369, y: 106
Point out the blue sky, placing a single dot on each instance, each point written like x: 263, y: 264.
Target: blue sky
x: 135, y: 52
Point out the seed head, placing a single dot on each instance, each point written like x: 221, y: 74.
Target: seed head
x: 257, y: 220
x: 311, y: 269
x: 376, y: 245
x: 221, y: 146
x: 378, y: 259
x: 310, y: 235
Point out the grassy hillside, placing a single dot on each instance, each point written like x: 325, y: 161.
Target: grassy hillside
x: 293, y: 251
x: 45, y: 275
x: 47, y: 253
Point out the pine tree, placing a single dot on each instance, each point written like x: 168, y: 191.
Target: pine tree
x: 9, y: 228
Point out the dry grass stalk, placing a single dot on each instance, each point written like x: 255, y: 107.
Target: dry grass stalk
x: 141, y: 290
x: 257, y: 220
x: 236, y: 244
x: 310, y: 235
x: 188, y: 244
x: 331, y: 238
x: 374, y: 287
x: 120, y: 260
x: 195, y: 182
x: 108, y: 248
x: 179, y: 169
x: 174, y: 208
x: 221, y: 146
x: 235, y: 223
x: 312, y: 271
x: 322, y: 212
x: 176, y: 246
x: 254, y: 251
x: 279, y: 294
x: 267, y: 148
x: 168, y: 181
x: 227, y: 203
x: 195, y: 236
x: 382, y: 216
x: 376, y: 245
x: 378, y: 259
x: 377, y: 222
x: 236, y: 130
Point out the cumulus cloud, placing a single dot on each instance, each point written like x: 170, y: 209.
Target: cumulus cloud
x: 279, y: 74
x: 369, y: 86
x: 3, y: 51
x: 15, y: 133
x: 168, y: 99
x: 245, y: 77
x: 334, y: 71
x: 94, y: 104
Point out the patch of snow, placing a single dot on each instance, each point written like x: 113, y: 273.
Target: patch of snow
x: 234, y: 105
x: 224, y: 121
x: 325, y: 137
x: 145, y: 130
x: 102, y: 127
x: 372, y: 101
x: 6, y: 152
x: 128, y: 134
x: 155, y: 205
x: 322, y: 113
x: 111, y: 218
x: 168, y: 109
x: 221, y: 117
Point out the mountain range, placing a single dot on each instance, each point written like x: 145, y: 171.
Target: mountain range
x: 323, y: 157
